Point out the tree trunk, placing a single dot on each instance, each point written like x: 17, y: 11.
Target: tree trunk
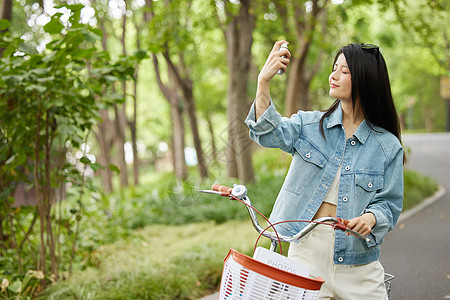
x: 2, y: 237
x: 120, y: 142
x: 178, y: 132
x: 305, y: 29
x: 39, y: 198
x: 212, y: 151
x: 106, y: 137
x: 49, y: 195
x: 297, y: 94
x: 6, y: 13
x: 133, y: 130
x: 133, y: 123
x: 104, y: 141
x: 121, y: 117
x: 176, y: 106
x: 186, y: 87
x: 238, y: 35
x: 196, y: 135
x: 176, y: 117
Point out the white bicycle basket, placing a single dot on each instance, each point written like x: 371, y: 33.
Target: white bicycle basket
x: 246, y: 278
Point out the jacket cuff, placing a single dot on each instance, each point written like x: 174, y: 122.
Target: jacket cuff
x: 266, y: 123
x: 380, y: 229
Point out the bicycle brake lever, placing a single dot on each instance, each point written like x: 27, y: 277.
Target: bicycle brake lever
x: 208, y: 192
x: 214, y: 192
x: 342, y: 225
x: 357, y: 234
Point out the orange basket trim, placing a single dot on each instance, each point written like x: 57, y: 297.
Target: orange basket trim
x: 275, y: 273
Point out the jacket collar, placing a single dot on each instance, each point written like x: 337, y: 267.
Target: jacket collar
x: 363, y: 131
x: 336, y: 117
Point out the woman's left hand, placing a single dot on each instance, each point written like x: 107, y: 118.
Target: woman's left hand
x: 363, y: 224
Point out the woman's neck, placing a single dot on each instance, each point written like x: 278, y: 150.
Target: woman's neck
x: 351, y: 118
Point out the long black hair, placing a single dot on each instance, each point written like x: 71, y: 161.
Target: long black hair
x: 370, y: 81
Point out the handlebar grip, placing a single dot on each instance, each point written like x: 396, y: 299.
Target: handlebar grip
x: 222, y: 189
x: 341, y: 224
x: 344, y: 221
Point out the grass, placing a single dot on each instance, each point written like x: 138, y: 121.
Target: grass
x: 168, y: 242
x: 417, y: 188
x: 160, y: 262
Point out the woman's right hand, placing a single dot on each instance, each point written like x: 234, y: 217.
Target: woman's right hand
x: 274, y: 62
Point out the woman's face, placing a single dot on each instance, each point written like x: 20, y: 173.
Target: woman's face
x: 340, y: 80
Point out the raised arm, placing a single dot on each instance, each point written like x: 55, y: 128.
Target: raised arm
x: 274, y: 62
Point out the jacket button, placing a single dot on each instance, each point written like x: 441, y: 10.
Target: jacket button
x: 340, y: 259
x: 345, y: 199
x: 308, y: 155
x: 347, y: 168
x: 353, y: 143
x: 370, y: 185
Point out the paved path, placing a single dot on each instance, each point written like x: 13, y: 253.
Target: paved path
x: 417, y: 252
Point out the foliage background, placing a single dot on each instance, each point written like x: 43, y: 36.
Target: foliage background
x: 107, y: 72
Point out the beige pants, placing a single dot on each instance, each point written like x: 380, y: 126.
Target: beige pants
x: 346, y: 282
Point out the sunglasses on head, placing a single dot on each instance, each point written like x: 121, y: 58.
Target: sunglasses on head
x: 369, y: 46
x: 373, y: 47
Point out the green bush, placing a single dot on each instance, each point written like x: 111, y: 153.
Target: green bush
x: 417, y: 188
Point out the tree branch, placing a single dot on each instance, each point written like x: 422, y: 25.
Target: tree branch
x: 281, y: 8
x: 27, y: 233
x: 164, y: 89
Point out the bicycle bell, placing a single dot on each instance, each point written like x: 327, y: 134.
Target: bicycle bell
x: 239, y: 191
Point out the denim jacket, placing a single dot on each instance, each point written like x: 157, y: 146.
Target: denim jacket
x: 371, y: 175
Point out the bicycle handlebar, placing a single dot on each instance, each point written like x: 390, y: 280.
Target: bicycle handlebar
x: 240, y: 192
x: 222, y: 189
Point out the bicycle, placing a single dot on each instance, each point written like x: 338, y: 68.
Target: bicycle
x: 246, y: 278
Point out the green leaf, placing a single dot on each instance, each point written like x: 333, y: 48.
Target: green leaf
x: 83, y: 53
x: 91, y: 36
x: 54, y: 26
x: 140, y: 54
x: 75, y: 40
x: 111, y: 78
x: 15, y: 286
x: 97, y: 31
x: 9, y: 51
x: 114, y: 168
x: 45, y: 79
x: 6, y: 192
x: 41, y: 71
x: 95, y: 166
x: 13, y: 79
x: 85, y: 160
x: 34, y: 87
x: 28, y: 48
x: 4, y: 24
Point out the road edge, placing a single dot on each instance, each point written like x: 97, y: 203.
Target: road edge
x: 424, y: 204
x: 214, y: 296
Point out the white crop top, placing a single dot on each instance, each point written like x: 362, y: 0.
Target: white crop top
x: 332, y: 195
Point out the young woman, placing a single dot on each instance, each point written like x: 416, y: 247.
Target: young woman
x: 347, y: 162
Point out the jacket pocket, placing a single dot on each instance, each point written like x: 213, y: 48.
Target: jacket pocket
x: 369, y: 182
x: 309, y: 153
x: 307, y: 162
